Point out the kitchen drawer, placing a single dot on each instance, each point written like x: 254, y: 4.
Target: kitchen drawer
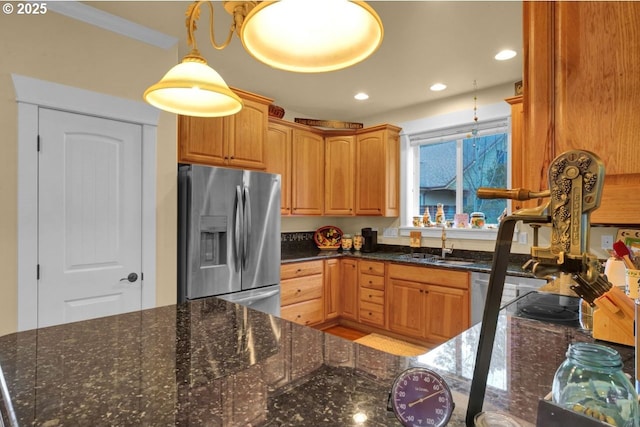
x: 372, y: 267
x: 304, y: 313
x: 372, y: 313
x: 371, y: 281
x: 436, y: 276
x: 300, y: 289
x: 372, y: 295
x: 300, y: 269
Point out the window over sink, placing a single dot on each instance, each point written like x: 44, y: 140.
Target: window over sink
x: 446, y: 164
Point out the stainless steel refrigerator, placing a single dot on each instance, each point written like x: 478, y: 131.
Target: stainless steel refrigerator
x: 229, y: 236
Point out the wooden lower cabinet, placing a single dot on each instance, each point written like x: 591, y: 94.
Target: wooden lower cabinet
x: 331, y: 289
x: 427, y: 303
x: 371, y: 293
x: 422, y: 304
x: 407, y: 308
x: 301, y: 292
x: 349, y: 289
x: 447, y: 313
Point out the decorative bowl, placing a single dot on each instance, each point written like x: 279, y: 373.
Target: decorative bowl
x: 328, y: 237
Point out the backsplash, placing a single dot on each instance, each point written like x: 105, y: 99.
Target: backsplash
x: 298, y: 240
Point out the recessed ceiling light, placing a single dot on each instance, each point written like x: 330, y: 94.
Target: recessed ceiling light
x: 438, y: 87
x: 503, y: 55
x: 361, y: 96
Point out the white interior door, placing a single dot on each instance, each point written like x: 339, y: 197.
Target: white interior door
x: 89, y: 217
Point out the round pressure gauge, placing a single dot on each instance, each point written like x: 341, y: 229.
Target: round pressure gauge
x: 421, y: 397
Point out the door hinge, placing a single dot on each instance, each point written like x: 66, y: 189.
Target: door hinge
x: 37, y: 271
x: 38, y: 143
x: 141, y: 276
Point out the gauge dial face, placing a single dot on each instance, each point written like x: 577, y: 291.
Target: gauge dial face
x: 421, y: 397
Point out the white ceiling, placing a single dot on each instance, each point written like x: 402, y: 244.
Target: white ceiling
x: 424, y: 42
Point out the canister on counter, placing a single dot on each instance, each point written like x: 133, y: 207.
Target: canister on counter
x: 477, y: 220
x: 358, y: 240
x: 347, y: 242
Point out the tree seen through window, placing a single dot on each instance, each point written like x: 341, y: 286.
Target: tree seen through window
x: 483, y: 161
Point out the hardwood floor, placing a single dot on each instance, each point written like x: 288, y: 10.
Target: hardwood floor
x: 344, y: 332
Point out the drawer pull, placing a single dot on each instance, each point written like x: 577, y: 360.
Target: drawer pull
x: 299, y: 270
x: 370, y: 282
x: 299, y: 291
x: 370, y: 296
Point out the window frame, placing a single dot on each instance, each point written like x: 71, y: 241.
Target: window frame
x: 445, y: 128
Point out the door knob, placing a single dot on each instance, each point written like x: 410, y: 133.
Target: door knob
x: 132, y: 277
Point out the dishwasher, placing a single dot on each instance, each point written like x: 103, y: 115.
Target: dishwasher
x: 514, y: 286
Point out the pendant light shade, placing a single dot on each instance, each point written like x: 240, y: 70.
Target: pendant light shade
x: 192, y: 88
x: 311, y: 36
x: 306, y: 36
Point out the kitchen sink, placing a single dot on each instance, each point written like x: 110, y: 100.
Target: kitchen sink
x: 453, y: 261
x: 436, y: 259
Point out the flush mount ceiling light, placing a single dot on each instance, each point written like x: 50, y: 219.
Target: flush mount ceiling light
x: 361, y: 96
x: 306, y: 36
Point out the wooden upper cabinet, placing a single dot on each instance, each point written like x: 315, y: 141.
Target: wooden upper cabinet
x: 201, y: 140
x: 525, y: 172
x: 236, y: 141
x: 339, y: 174
x: 377, y: 190
x: 582, y: 91
x: 307, y: 173
x: 278, y: 160
x: 319, y: 169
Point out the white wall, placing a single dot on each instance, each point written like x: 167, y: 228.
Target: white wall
x: 58, y: 49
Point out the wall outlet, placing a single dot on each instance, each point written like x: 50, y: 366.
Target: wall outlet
x: 607, y: 242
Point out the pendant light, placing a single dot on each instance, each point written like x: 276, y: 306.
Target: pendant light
x: 310, y: 36
x: 295, y: 35
x: 192, y: 88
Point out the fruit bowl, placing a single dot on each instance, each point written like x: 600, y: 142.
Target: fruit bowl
x: 328, y: 237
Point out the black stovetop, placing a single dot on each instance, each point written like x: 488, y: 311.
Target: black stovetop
x: 552, y: 308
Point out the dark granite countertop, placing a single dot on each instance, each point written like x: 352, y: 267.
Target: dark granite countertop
x: 213, y: 363
x: 479, y: 261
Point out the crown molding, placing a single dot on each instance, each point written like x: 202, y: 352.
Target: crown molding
x: 107, y: 21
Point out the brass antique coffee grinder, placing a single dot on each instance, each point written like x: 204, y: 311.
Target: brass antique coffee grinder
x: 575, y: 185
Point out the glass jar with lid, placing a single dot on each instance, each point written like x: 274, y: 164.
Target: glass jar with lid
x: 347, y: 242
x: 591, y: 381
x: 477, y: 220
x: 358, y: 241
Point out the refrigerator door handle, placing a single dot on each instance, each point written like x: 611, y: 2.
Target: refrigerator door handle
x: 253, y: 298
x: 237, y: 231
x: 247, y: 227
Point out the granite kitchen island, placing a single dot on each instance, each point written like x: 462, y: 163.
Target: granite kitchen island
x: 213, y: 363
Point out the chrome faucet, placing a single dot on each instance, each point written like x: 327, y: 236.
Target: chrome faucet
x: 445, y: 250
